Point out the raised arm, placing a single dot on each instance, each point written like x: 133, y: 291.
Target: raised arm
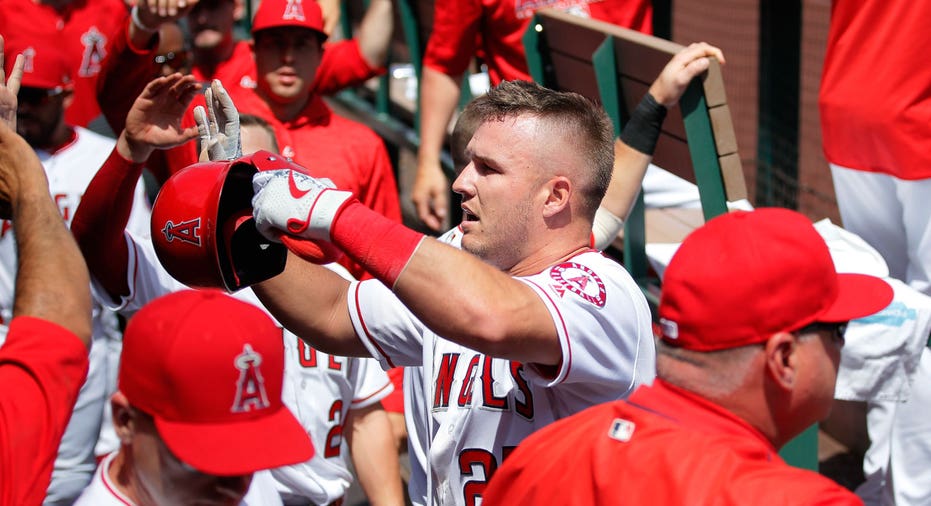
x: 52, y: 280
x: 153, y: 122
x: 634, y: 150
x: 430, y: 194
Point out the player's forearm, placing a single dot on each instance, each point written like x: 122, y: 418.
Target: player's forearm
x: 375, y: 33
x: 52, y: 282
x: 310, y: 301
x: 438, y: 98
x: 375, y: 455
x: 100, y: 221
x: 629, y: 167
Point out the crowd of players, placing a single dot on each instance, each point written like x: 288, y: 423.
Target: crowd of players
x: 508, y: 327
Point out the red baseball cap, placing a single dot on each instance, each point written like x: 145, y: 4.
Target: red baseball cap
x: 283, y: 13
x: 744, y: 276
x: 44, y: 66
x: 209, y: 369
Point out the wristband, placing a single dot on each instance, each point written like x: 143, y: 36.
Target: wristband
x: 383, y: 247
x: 642, y: 129
x: 134, y: 17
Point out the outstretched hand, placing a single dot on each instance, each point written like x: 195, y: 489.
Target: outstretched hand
x: 9, y: 87
x: 154, y: 121
x: 218, y: 125
x: 668, y: 88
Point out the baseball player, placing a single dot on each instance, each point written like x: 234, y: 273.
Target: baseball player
x: 44, y: 359
x: 537, y: 327
x: 336, y: 399
x: 874, y: 105
x: 70, y: 156
x: 463, y: 29
x: 752, y: 316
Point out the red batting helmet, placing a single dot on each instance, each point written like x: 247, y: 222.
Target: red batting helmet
x: 202, y: 226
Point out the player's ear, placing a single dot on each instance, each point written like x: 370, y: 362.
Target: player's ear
x: 557, y: 192
x: 782, y: 359
x: 67, y: 98
x: 124, y: 422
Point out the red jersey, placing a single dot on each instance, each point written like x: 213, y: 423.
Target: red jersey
x: 875, y: 97
x: 459, y: 26
x: 42, y: 367
x: 83, y: 29
x: 663, y: 446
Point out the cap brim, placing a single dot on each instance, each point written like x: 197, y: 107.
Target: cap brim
x: 859, y: 295
x: 230, y: 449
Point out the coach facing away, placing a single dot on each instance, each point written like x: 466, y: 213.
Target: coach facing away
x: 752, y: 318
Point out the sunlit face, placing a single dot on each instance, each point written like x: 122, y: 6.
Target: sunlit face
x: 164, y: 480
x: 501, y: 190
x: 211, y: 23
x: 286, y: 60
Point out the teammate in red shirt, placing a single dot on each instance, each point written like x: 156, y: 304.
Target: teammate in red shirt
x: 44, y: 359
x: 463, y: 28
x: 288, y: 52
x: 875, y: 107
x: 752, y: 317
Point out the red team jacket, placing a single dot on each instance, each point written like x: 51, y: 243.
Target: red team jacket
x: 663, y: 446
x: 875, y: 96
x: 42, y: 367
x: 496, y: 27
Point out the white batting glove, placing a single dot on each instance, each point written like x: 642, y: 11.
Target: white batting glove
x: 218, y: 125
x: 293, y: 203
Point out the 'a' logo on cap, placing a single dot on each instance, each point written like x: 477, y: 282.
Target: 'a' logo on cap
x: 250, y: 387
x: 294, y: 10
x: 187, y: 231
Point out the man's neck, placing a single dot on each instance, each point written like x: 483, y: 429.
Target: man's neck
x: 60, y: 137
x: 121, y: 475
x: 285, y: 111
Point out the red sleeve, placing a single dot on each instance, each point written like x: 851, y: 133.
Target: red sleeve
x: 125, y: 72
x: 42, y: 367
x: 453, y: 40
x: 342, y: 66
x: 101, y: 219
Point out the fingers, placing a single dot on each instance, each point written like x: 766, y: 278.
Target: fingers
x: 16, y: 75
x: 211, y: 114
x: 203, y: 130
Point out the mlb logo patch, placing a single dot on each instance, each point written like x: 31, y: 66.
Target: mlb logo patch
x: 622, y: 430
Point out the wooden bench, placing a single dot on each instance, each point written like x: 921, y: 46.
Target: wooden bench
x: 615, y: 66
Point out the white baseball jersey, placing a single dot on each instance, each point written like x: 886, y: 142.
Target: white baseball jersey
x: 319, y: 389
x: 103, y: 492
x: 482, y: 407
x: 69, y: 170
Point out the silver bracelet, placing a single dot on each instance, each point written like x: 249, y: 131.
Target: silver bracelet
x: 134, y: 16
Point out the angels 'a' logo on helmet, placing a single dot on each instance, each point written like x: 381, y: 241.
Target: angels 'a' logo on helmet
x: 294, y: 10
x: 250, y: 388
x: 187, y: 231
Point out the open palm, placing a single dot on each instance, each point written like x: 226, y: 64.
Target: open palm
x: 155, y: 117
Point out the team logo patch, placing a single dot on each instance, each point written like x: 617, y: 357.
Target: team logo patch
x: 579, y: 280
x: 186, y: 231
x: 294, y: 10
x: 250, y: 387
x: 95, y: 44
x: 622, y: 430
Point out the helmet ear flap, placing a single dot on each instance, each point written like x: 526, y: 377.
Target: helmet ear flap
x: 203, y: 231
